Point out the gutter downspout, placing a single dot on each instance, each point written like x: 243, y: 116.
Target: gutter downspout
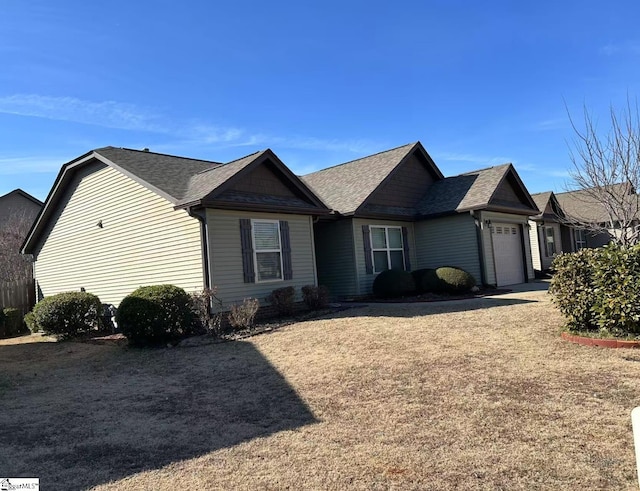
x: 478, y: 223
x: 201, y: 216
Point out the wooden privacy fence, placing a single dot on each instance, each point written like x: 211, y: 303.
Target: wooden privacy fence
x: 19, y: 294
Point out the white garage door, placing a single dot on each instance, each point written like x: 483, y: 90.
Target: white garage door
x: 507, y: 247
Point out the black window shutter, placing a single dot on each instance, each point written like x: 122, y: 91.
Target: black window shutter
x: 246, y: 243
x: 405, y: 245
x: 285, y: 242
x: 366, y: 238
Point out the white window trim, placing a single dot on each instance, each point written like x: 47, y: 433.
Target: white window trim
x: 577, y: 233
x: 387, y: 249
x: 546, y: 241
x: 256, y: 251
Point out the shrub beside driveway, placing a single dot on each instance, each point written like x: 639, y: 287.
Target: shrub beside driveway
x: 478, y: 394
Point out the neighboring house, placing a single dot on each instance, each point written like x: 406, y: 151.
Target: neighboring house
x: 18, y: 210
x: 117, y: 219
x: 551, y: 232
x: 18, y: 205
x: 396, y: 209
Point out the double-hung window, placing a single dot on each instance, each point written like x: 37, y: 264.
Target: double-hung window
x: 267, y: 250
x: 387, y: 248
x: 550, y: 241
x: 580, y: 238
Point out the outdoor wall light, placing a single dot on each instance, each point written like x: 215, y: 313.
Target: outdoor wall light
x: 100, y: 224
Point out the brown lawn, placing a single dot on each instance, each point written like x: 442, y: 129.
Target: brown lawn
x: 477, y: 394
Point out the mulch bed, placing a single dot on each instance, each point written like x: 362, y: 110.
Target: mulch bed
x: 437, y: 297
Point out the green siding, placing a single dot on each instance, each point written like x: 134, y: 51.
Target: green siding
x: 225, y: 255
x: 448, y: 241
x: 364, y: 280
x: 335, y: 257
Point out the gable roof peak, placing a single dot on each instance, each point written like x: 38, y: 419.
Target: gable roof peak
x: 377, y: 154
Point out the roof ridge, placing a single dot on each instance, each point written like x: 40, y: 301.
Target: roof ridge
x: 362, y: 158
x: 224, y: 164
x: 484, y: 169
x: 147, y: 152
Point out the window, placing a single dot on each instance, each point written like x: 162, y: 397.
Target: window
x: 387, y: 248
x: 267, y: 250
x: 580, y: 238
x: 550, y: 241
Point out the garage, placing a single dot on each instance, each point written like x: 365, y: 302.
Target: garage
x: 507, y: 253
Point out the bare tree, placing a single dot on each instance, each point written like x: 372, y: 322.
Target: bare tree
x: 606, y: 174
x: 13, y: 265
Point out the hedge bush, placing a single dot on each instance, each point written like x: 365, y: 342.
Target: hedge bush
x: 426, y: 280
x: 156, y: 314
x: 616, y: 279
x: 67, y: 314
x: 393, y: 283
x: 283, y: 299
x: 315, y: 297
x: 454, y: 280
x: 572, y: 287
x: 599, y: 289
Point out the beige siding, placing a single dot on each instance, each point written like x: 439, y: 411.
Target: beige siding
x: 335, y: 257
x: 536, y: 245
x: 225, y: 255
x: 144, y: 241
x: 364, y: 280
x: 448, y: 241
x: 490, y: 273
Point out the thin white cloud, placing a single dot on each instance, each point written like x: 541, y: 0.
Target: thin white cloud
x: 475, y: 159
x: 551, y: 124
x: 626, y: 47
x: 118, y: 115
x: 110, y: 114
x: 10, y: 166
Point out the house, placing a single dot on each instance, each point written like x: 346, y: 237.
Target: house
x: 18, y: 206
x: 551, y: 232
x: 396, y: 209
x: 582, y: 207
x: 18, y: 210
x: 117, y: 219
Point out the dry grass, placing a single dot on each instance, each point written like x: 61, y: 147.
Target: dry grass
x: 478, y: 394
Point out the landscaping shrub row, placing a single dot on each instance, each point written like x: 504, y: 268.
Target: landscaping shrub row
x: 157, y: 314
x: 11, y: 323
x: 599, y: 289
x: 394, y: 283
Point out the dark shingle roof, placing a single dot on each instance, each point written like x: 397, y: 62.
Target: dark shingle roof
x: 346, y: 186
x: 542, y: 200
x: 167, y: 173
x: 469, y: 191
x: 210, y: 179
x: 582, y: 206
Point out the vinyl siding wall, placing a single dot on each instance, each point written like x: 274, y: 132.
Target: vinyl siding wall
x: 335, y: 257
x: 364, y: 281
x: 537, y: 246
x: 490, y: 274
x: 144, y: 241
x: 225, y: 255
x: 448, y: 241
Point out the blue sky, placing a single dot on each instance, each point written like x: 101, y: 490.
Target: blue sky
x: 478, y: 83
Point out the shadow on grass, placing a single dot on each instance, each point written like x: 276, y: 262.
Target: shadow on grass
x: 418, y: 309
x: 79, y: 415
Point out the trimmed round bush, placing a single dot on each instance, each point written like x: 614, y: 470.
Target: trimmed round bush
x: 156, y: 314
x: 67, y: 314
x: 427, y: 280
x: 30, y: 322
x: 455, y: 280
x: 394, y: 283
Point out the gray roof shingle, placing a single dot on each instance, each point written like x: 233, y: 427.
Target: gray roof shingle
x: 167, y: 173
x: 470, y: 191
x: 582, y: 206
x: 346, y: 186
